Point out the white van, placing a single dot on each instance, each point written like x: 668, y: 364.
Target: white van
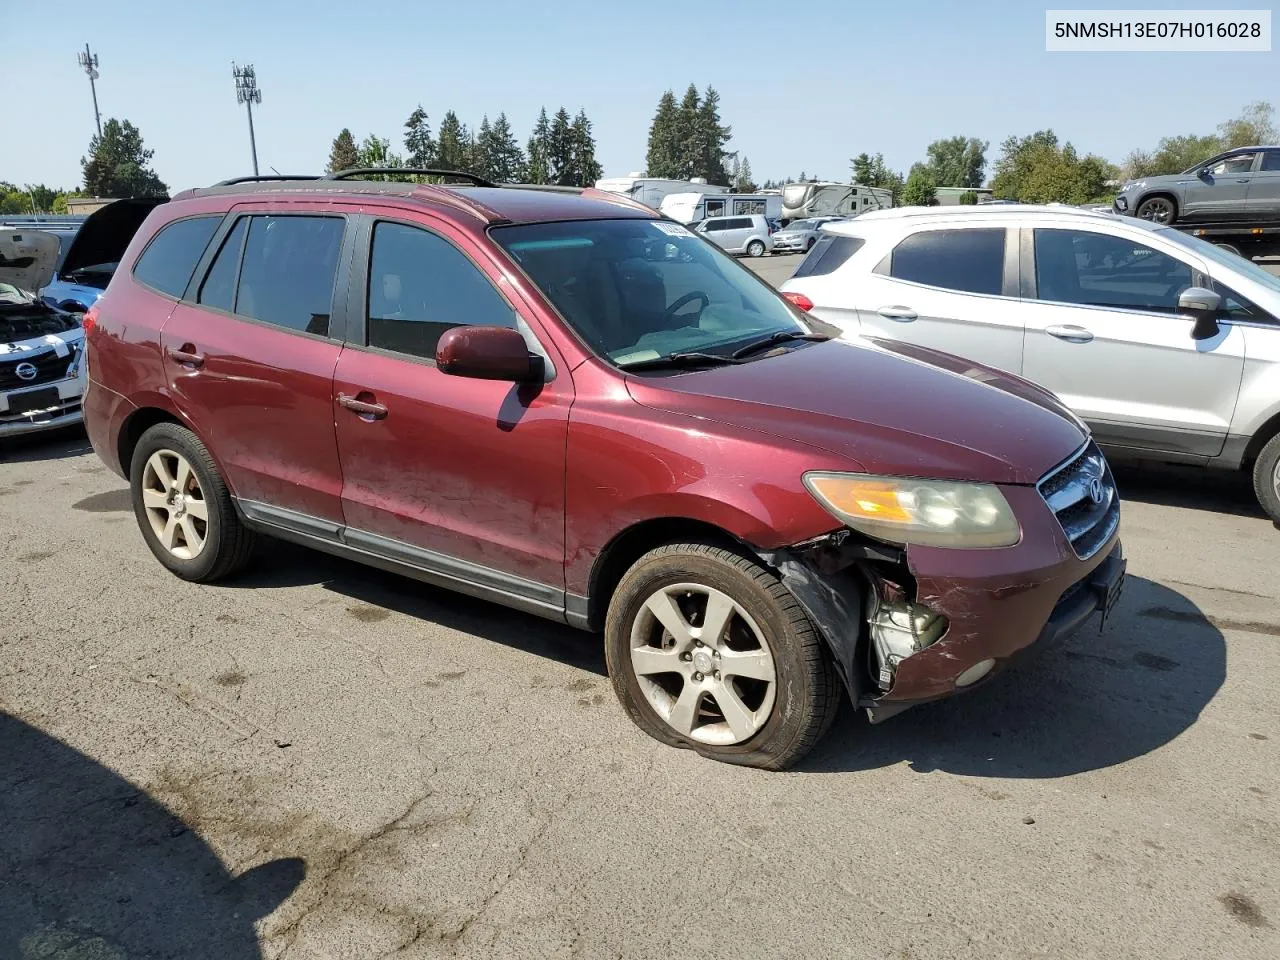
x: 692, y: 207
x: 826, y: 198
x: 652, y: 190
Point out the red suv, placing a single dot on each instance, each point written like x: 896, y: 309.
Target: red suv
x: 563, y: 402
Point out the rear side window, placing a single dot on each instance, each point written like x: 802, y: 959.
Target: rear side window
x: 1271, y: 160
x: 288, y: 270
x: 421, y: 285
x: 828, y: 254
x: 171, y: 257
x: 971, y: 261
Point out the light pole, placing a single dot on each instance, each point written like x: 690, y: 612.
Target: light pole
x: 247, y: 92
x: 89, y: 62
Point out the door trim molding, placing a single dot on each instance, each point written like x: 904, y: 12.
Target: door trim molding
x: 406, y: 559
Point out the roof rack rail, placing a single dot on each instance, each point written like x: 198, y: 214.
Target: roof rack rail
x: 357, y: 172
x: 267, y: 176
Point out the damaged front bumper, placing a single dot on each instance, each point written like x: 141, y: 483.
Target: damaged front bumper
x: 914, y: 625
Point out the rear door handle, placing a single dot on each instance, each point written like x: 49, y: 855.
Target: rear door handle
x: 186, y: 354
x: 901, y: 314
x: 1069, y: 332
x: 1244, y: 180
x: 375, y: 411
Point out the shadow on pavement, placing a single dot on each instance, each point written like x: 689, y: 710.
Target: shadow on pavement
x: 1217, y: 491
x: 56, y: 444
x: 280, y: 564
x: 1096, y: 701
x: 92, y: 868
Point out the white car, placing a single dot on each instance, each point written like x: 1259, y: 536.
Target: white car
x: 1166, y: 346
x: 42, y: 373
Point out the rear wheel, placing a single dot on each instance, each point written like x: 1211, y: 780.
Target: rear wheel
x: 183, y: 507
x: 755, y: 249
x: 1157, y: 210
x: 1266, y: 478
x: 708, y: 650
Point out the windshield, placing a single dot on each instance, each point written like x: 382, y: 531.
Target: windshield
x: 641, y: 289
x: 1224, y: 258
x: 803, y: 225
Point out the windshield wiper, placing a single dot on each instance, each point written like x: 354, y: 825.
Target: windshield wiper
x: 782, y: 336
x: 689, y: 359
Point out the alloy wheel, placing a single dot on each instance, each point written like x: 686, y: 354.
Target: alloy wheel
x: 703, y: 664
x: 175, y: 505
x: 1157, y: 210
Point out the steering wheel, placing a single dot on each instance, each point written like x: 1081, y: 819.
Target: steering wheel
x: 688, y: 298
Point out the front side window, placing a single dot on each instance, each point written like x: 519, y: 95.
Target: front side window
x: 970, y: 261
x: 288, y: 271
x: 641, y: 289
x: 1241, y: 163
x: 171, y: 257
x: 1100, y: 270
x: 421, y: 285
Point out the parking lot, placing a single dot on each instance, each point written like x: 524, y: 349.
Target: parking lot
x: 322, y: 760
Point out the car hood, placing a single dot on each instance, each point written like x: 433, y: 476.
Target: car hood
x: 27, y: 257
x: 105, y: 233
x: 890, y: 408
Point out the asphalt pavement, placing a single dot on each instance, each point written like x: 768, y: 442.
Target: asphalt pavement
x: 322, y: 760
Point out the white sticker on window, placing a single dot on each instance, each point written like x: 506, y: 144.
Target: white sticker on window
x: 673, y: 229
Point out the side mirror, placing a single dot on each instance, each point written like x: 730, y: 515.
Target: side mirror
x: 487, y: 353
x: 1202, y: 306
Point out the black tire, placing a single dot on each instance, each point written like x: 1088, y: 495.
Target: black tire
x: 1266, y: 478
x: 808, y: 245
x: 808, y: 690
x: 1146, y: 207
x: 228, y: 544
x: 755, y: 249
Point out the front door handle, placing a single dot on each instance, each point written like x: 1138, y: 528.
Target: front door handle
x: 900, y: 314
x: 374, y: 411
x: 186, y: 354
x: 1070, y: 332
x: 1243, y: 180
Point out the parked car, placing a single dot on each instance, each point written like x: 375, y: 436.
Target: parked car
x: 1240, y: 184
x: 562, y: 402
x: 1167, y: 346
x: 42, y: 374
x: 751, y: 235
x: 800, y: 235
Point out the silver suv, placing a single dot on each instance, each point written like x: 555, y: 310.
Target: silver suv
x: 1167, y: 346
x: 751, y: 235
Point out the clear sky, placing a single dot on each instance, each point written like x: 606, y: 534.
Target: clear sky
x: 804, y: 85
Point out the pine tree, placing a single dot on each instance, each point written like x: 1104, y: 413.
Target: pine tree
x: 586, y: 168
x: 417, y: 139
x: 540, y: 150
x: 482, y: 153
x: 742, y: 181
x: 507, y: 164
x: 342, y: 155
x: 451, y: 144
x: 118, y: 165
x: 711, y: 138
x: 560, y: 150
x: 662, y: 159
x: 687, y: 134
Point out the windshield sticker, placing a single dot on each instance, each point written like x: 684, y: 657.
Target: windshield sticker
x: 673, y: 229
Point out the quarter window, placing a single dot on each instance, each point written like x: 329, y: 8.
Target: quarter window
x: 1100, y: 270
x: 170, y: 259
x: 219, y: 287
x: 421, y: 285
x: 971, y: 261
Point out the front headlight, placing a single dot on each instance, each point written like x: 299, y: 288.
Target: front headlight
x: 929, y: 513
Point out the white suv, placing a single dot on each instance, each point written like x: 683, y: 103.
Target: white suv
x: 1167, y: 346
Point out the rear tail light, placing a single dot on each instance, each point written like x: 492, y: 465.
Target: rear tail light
x: 89, y: 320
x: 799, y: 300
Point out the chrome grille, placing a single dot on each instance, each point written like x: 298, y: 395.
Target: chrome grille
x: 1089, y: 513
x: 49, y: 367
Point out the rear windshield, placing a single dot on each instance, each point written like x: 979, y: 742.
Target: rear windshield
x: 641, y: 289
x: 828, y: 254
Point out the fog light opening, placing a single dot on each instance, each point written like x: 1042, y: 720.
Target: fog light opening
x: 900, y: 629
x: 975, y: 673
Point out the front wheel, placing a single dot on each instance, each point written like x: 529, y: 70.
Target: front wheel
x: 708, y: 650
x: 755, y: 249
x: 1157, y: 210
x: 1266, y: 478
